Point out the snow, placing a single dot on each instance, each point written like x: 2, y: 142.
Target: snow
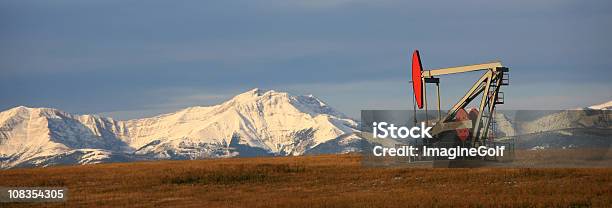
x: 254, y: 122
x: 268, y: 120
x: 603, y: 106
x: 277, y: 122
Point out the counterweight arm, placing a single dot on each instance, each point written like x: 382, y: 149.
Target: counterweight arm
x: 461, y: 69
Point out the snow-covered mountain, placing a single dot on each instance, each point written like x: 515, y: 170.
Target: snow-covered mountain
x: 274, y: 122
x: 28, y: 133
x: 603, y: 106
x: 522, y: 122
x: 253, y: 123
x: 588, y: 127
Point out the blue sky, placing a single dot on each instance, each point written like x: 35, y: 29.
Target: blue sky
x: 130, y: 59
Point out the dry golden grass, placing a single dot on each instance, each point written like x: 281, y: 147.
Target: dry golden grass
x: 312, y: 181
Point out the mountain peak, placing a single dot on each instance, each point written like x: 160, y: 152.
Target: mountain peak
x: 20, y: 110
x: 256, y: 91
x: 254, y: 94
x: 304, y: 103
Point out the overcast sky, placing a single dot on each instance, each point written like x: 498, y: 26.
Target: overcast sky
x: 132, y: 59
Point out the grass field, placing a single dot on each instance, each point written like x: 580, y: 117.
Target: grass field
x: 312, y: 181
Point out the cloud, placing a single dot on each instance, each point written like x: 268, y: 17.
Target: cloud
x: 96, y: 57
x: 173, y: 99
x: 555, y: 95
x: 245, y: 51
x: 113, y: 56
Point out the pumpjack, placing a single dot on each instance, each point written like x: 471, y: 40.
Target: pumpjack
x: 473, y: 128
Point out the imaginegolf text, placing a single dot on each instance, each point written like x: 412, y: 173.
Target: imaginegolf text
x: 384, y: 130
x: 450, y: 153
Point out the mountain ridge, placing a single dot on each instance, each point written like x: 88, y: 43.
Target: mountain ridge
x: 254, y: 122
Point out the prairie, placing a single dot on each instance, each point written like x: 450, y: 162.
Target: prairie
x: 312, y: 181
